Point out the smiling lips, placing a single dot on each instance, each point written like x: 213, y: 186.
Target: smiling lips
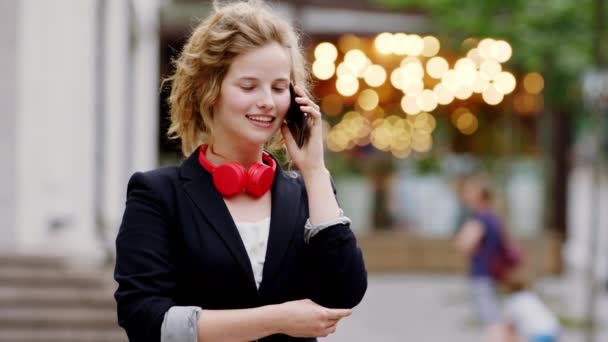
x: 261, y: 120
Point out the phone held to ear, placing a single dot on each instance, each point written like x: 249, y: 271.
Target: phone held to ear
x: 297, y: 120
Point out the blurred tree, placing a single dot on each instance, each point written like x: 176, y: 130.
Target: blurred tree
x: 557, y: 38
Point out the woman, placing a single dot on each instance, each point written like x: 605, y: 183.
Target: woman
x: 228, y: 246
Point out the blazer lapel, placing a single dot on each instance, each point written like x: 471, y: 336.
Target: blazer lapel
x: 286, y: 196
x: 210, y: 202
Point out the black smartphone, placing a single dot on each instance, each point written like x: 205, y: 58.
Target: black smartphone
x: 297, y: 120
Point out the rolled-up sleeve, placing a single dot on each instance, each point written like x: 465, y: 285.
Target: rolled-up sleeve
x: 144, y: 269
x: 180, y: 324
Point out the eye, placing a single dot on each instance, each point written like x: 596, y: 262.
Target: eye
x: 247, y: 87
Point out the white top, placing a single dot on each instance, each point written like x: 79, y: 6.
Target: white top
x: 255, y: 239
x: 530, y: 315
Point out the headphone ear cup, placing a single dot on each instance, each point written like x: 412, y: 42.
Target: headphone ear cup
x: 230, y: 178
x: 259, y: 179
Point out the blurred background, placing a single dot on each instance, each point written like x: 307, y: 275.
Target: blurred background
x: 416, y: 96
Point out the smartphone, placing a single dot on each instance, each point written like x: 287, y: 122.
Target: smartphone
x: 297, y: 120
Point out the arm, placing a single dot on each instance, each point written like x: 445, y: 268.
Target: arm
x: 469, y: 236
x: 340, y: 278
x: 302, y: 318
x: 337, y: 271
x: 144, y: 267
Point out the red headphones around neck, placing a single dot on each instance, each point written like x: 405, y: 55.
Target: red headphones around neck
x: 231, y: 178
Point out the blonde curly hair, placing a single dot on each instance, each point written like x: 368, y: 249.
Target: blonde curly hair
x: 231, y: 30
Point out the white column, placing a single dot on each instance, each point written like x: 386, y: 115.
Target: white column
x: 55, y: 128
x: 8, y: 118
x: 117, y: 115
x: 131, y: 93
x: 146, y: 84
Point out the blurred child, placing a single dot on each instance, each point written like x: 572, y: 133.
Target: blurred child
x: 528, y: 317
x: 479, y: 239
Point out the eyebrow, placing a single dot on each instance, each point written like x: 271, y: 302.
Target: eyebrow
x: 246, y: 78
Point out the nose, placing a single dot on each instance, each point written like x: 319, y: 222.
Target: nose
x: 266, y: 102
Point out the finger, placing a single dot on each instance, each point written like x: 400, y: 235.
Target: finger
x: 329, y: 330
x: 299, y: 91
x: 331, y: 322
x: 339, y: 313
x: 314, y: 113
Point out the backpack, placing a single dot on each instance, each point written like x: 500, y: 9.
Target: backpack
x: 506, y: 259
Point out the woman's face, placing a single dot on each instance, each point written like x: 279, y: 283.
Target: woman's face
x: 254, y: 96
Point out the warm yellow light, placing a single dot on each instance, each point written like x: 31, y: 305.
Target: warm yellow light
x: 467, y: 123
x: 401, y: 44
x: 409, y: 60
x: 413, y: 70
x: 466, y: 71
x: 381, y: 137
x: 505, y: 82
x: 397, y: 78
x: 501, y: 51
x: 484, y: 47
x: 357, y: 61
x: 463, y: 92
x: 412, y: 86
x: 374, y: 75
x: 344, y: 70
x: 451, y: 81
x: 427, y: 100
x: 337, y: 140
x: 415, y: 45
x: 348, y: 42
x: 473, y: 54
x: 347, y: 85
x: 457, y: 113
x: 425, y: 122
x: 492, y: 96
x: 323, y: 69
x: 332, y: 105
x: 326, y: 51
x: 465, y: 64
x: 422, y: 146
x: 368, y: 99
x: 469, y: 43
x: 534, y: 83
x: 489, y: 69
x: 401, y: 154
x: 385, y: 43
x: 431, y: 46
x: 436, y: 67
x: 480, y: 83
x: 444, y: 95
x: 410, y: 105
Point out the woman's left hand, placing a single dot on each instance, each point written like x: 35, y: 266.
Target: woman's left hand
x: 308, y: 158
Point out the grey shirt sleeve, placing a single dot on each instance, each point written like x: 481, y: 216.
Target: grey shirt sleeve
x: 180, y: 324
x: 311, y: 230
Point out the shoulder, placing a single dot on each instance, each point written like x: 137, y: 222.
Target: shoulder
x: 157, y: 180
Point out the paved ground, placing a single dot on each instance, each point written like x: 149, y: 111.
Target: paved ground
x: 436, y: 308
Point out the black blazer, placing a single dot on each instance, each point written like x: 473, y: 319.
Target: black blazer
x: 178, y: 245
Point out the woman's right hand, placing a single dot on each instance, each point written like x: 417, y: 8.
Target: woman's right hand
x: 305, y: 318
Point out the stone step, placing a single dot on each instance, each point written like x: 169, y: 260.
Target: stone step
x: 62, y: 335
x: 30, y: 261
x: 48, y: 278
x: 19, y: 297
x: 62, y: 319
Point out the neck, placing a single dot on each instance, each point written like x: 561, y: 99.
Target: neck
x: 219, y: 153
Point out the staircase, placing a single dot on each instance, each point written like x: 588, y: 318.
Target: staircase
x: 42, y: 299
